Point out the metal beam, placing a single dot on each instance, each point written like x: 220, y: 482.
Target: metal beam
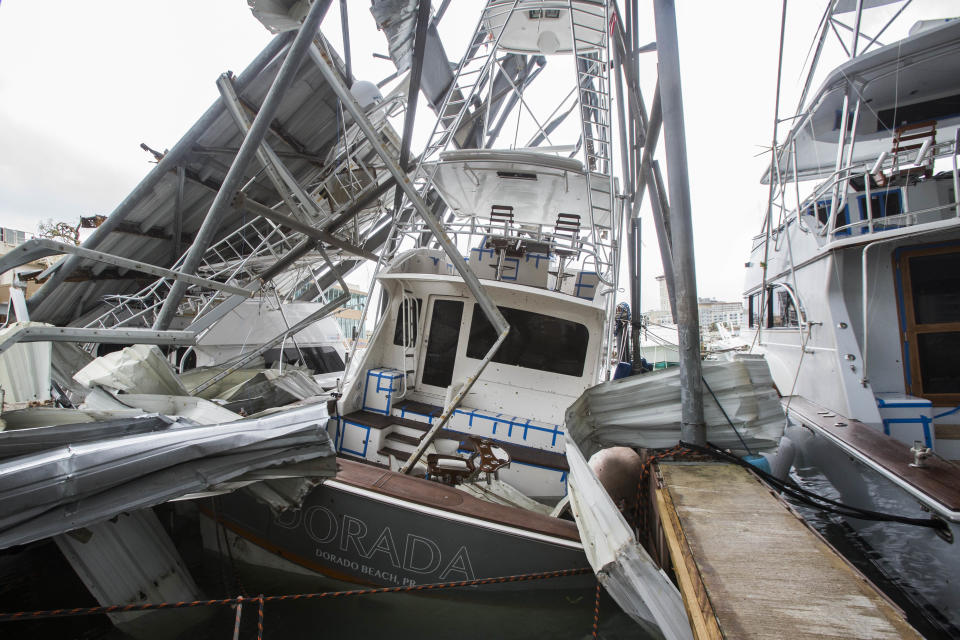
x: 251, y: 143
x: 413, y: 90
x: 178, y: 214
x: 283, y: 181
x: 692, y: 425
x: 46, y: 333
x: 311, y: 232
x: 345, y: 29
x: 173, y: 158
x: 42, y: 247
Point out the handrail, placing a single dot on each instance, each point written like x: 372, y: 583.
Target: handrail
x: 900, y: 218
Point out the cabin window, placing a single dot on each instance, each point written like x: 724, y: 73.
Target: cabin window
x: 535, y: 341
x: 753, y: 310
x: 821, y: 210
x: 778, y: 312
x: 444, y: 333
x: 408, y: 319
x: 882, y: 204
x: 783, y: 313
x: 544, y: 14
x: 930, y: 314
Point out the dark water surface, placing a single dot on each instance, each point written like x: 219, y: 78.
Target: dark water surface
x: 882, y: 571
x: 38, y: 577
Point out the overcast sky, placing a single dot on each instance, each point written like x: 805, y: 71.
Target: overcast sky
x: 82, y: 84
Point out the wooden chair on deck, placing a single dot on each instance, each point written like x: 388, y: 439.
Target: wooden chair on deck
x: 566, y: 236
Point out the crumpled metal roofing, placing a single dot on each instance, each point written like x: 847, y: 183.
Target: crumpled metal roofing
x: 644, y: 411
x: 305, y: 128
x: 625, y: 569
x: 67, y: 487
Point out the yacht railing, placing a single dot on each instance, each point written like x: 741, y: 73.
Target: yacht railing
x: 469, y: 231
x: 835, y: 186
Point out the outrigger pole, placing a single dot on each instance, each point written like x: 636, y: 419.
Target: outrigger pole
x: 692, y: 425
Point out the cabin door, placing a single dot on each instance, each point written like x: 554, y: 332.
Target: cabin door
x: 928, y: 281
x: 441, y: 342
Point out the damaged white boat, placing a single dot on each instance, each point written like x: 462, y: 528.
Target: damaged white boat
x: 440, y: 453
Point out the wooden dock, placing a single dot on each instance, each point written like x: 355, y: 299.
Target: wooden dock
x: 749, y: 568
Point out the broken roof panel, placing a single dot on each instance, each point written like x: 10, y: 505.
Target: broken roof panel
x: 305, y: 129
x: 66, y: 487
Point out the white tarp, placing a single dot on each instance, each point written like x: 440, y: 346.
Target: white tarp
x: 622, y: 566
x: 137, y: 369
x: 25, y: 368
x: 644, y: 410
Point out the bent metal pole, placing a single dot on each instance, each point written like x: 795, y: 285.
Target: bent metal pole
x: 692, y: 426
x: 222, y: 202
x: 470, y: 279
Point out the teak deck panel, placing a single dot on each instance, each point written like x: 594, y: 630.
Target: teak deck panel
x: 938, y: 478
x: 740, y: 555
x: 433, y: 494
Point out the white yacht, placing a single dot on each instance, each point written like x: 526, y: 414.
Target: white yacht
x: 442, y: 390
x: 852, y: 290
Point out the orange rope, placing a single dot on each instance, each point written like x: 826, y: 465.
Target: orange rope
x: 596, y: 611
x: 83, y: 611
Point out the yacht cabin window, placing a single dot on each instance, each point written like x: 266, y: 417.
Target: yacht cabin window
x: 753, y: 310
x: 535, y: 341
x: 882, y: 204
x: 778, y: 312
x: 408, y: 319
x: 929, y: 280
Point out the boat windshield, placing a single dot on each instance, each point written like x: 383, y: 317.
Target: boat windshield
x: 535, y: 341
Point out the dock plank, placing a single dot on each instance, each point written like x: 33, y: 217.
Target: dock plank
x: 763, y: 573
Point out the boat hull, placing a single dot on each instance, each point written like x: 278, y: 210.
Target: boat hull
x: 368, y: 532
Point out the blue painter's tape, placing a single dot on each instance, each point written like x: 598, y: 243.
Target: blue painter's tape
x: 920, y: 402
x: 947, y: 413
x: 366, y: 438
x: 580, y: 284
x: 481, y: 251
x: 516, y: 269
x: 537, y: 257
x: 922, y: 420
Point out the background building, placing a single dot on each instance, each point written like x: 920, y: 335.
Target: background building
x: 711, y: 310
x: 9, y: 239
x: 348, y: 316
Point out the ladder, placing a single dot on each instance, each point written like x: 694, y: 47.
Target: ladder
x: 472, y: 74
x: 593, y: 96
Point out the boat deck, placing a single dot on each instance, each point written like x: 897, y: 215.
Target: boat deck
x: 938, y: 480
x: 749, y: 568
